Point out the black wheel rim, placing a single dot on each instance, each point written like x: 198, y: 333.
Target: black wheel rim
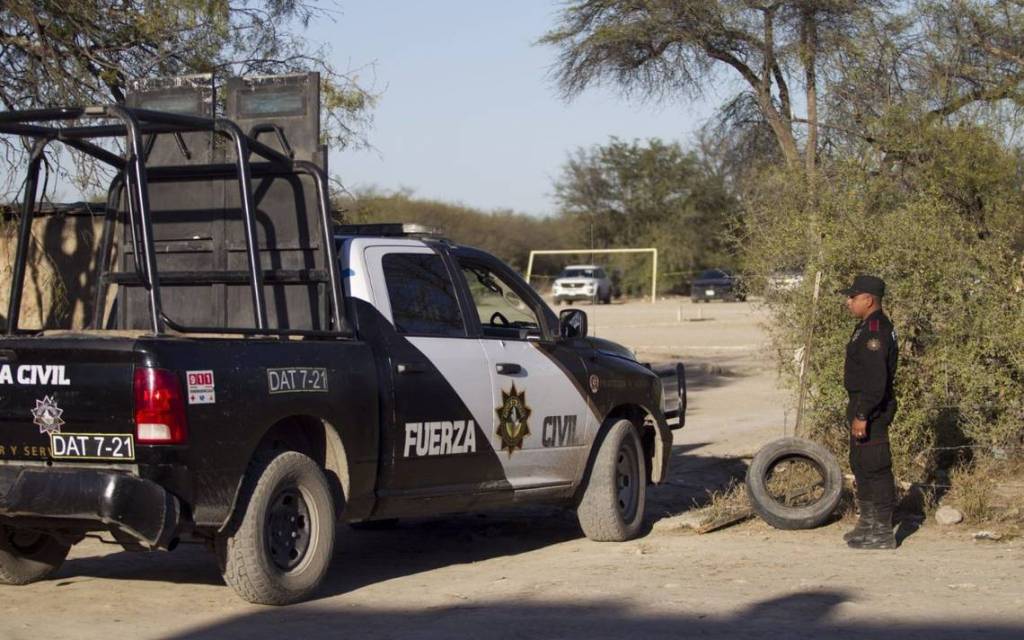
x: 288, y: 529
x: 795, y: 481
x: 627, y: 482
x: 24, y: 542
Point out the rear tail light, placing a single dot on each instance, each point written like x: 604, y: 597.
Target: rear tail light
x: 159, y: 408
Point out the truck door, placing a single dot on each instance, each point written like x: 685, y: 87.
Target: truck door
x: 436, y: 442
x: 542, y: 418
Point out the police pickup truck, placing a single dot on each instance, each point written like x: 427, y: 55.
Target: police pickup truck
x: 253, y: 374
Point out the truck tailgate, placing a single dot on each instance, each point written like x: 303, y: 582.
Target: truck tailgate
x: 55, y: 386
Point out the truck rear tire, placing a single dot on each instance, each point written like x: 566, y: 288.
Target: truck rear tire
x: 283, y: 544
x: 28, y: 556
x: 612, y: 507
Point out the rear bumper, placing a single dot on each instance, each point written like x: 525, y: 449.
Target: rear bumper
x: 717, y: 293
x: 121, y: 502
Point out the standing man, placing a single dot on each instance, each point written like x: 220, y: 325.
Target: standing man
x: 868, y: 376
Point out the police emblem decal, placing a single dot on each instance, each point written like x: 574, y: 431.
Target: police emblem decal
x: 595, y: 383
x: 47, y: 415
x: 873, y: 344
x: 513, y: 417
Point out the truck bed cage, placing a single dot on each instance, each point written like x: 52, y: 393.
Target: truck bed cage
x: 135, y: 125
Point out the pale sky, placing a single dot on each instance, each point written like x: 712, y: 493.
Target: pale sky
x: 468, y: 113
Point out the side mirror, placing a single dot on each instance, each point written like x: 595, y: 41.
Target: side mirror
x: 572, y: 323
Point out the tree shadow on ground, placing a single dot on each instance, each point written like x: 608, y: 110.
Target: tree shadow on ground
x: 711, y: 373
x: 422, y: 544
x: 692, y: 479
x: 800, y: 615
x: 361, y: 557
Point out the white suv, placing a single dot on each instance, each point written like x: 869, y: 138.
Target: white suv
x: 582, y: 282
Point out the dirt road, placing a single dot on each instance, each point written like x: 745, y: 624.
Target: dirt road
x: 531, y: 574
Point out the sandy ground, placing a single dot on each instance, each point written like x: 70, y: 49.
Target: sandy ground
x: 531, y: 574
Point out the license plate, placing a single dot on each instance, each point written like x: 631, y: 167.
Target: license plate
x: 709, y: 292
x: 92, y: 446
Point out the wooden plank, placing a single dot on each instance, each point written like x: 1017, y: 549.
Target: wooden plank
x: 726, y: 520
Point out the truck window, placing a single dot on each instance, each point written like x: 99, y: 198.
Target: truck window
x: 503, y: 314
x: 422, y: 295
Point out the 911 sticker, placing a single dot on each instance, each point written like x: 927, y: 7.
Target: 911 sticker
x: 201, y: 389
x: 297, y: 379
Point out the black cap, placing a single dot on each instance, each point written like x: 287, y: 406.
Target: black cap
x: 865, y: 284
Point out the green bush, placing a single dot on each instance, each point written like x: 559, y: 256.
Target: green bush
x: 939, y: 217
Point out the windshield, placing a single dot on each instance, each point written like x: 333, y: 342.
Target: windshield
x: 578, y: 273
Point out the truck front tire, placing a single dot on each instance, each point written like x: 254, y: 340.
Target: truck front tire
x: 612, y: 507
x: 28, y: 556
x: 284, y: 541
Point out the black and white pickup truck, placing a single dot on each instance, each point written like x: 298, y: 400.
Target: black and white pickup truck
x: 380, y: 372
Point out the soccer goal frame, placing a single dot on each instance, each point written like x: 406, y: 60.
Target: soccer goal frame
x: 551, y: 252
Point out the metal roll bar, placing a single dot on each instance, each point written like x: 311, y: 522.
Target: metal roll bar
x: 133, y: 177
x: 25, y: 233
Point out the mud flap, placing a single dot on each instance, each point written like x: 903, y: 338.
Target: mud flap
x: 662, y: 451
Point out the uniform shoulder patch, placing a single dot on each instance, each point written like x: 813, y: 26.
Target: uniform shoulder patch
x: 874, y: 344
x: 873, y: 325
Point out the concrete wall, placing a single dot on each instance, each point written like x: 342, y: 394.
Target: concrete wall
x: 60, y: 284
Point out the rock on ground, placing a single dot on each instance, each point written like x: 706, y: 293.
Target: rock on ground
x: 948, y: 516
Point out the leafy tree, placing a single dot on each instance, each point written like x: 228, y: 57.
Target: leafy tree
x: 903, y: 164
x: 91, y: 51
x: 659, y: 48
x: 941, y: 225
x: 960, y: 61
x: 654, y: 194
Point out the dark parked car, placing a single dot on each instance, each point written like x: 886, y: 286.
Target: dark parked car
x: 716, y: 284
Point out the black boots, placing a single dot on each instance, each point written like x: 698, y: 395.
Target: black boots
x: 878, y: 533
x: 863, y: 525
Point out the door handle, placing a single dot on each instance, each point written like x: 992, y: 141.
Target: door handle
x: 409, y: 367
x: 508, y: 368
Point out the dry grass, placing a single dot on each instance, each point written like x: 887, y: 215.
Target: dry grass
x: 795, y: 482
x: 725, y: 502
x: 931, y: 500
x: 989, y: 492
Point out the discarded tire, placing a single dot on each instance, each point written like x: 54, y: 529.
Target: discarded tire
x: 794, y: 483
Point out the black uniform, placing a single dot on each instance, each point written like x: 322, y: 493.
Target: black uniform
x: 871, y: 357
